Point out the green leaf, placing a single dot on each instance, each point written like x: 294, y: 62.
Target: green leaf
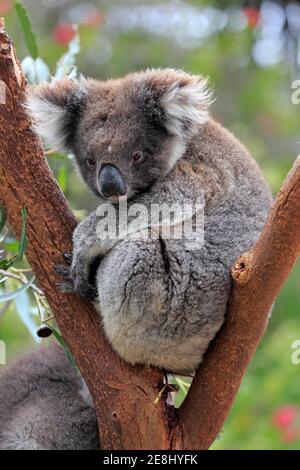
x: 60, y: 156
x: 12, y: 246
x: 2, y: 219
x: 62, y: 177
x: 12, y: 295
x: 7, y: 263
x: 4, y: 263
x: 64, y: 345
x: 29, y: 35
x: 23, y: 239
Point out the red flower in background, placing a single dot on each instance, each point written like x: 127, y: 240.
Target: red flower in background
x: 285, y: 416
x: 253, y: 16
x: 287, y: 420
x: 5, y: 6
x: 64, y: 33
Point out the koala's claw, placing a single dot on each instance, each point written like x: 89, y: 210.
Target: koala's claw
x: 62, y: 270
x: 87, y: 292
x: 66, y: 287
x: 73, y: 284
x: 68, y: 257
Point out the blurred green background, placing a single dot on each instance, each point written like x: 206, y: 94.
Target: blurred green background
x: 251, y: 52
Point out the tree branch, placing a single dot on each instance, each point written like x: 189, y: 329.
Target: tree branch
x: 258, y: 277
x: 124, y: 396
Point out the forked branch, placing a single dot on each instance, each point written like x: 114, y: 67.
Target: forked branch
x: 125, y: 397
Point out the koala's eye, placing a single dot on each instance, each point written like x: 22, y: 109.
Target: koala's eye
x: 137, y: 157
x: 90, y: 162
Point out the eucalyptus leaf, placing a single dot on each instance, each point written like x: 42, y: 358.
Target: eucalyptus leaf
x: 42, y: 70
x: 66, y: 64
x: 23, y: 239
x: 11, y: 246
x: 28, y: 67
x: 24, y: 311
x: 59, y: 156
x: 64, y: 345
x: 36, y: 71
x: 62, y: 177
x: 2, y: 219
x: 12, y: 295
x: 7, y: 263
x: 73, y: 73
x: 29, y: 35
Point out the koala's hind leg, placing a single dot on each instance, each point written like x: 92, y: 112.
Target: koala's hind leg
x: 43, y: 404
x: 27, y: 430
x: 45, y: 425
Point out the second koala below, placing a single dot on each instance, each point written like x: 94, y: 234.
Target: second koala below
x: 148, y: 138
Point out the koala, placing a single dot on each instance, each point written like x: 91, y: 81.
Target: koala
x: 149, y: 139
x: 146, y: 140
x: 44, y: 405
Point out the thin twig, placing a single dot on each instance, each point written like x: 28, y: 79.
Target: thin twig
x: 21, y: 279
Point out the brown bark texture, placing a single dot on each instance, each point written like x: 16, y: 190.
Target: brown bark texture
x: 125, y: 397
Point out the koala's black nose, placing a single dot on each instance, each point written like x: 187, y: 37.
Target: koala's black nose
x: 111, y: 182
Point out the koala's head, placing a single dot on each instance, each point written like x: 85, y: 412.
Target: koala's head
x: 126, y: 134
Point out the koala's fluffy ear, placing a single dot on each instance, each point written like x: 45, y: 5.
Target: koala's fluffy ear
x: 56, y: 109
x: 182, y: 99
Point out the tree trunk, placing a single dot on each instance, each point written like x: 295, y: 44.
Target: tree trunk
x: 125, y: 396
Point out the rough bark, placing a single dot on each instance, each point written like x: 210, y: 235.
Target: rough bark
x: 124, y: 396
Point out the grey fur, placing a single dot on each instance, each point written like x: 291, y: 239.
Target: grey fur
x: 160, y: 303
x: 167, y: 315
x: 42, y: 405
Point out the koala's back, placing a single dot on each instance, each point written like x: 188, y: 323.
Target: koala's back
x: 162, y: 303
x: 42, y: 404
x: 237, y: 198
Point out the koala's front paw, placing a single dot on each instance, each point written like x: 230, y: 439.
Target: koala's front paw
x: 79, y: 276
x: 64, y: 271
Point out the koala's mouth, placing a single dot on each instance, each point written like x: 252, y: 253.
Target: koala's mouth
x: 115, y: 199
x: 131, y: 194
